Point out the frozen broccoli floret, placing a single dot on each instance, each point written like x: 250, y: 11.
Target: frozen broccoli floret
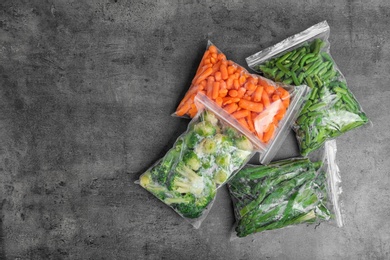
x: 191, y: 139
x: 192, y: 160
x: 161, y: 171
x: 210, y: 117
x: 221, y: 176
x: 225, y: 141
x: 205, y: 128
x: 243, y: 143
x: 207, y: 146
x: 223, y: 160
x: 147, y: 182
x: 185, y: 180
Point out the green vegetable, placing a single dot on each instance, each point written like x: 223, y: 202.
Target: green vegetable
x: 312, y: 65
x: 201, y: 160
x: 280, y: 194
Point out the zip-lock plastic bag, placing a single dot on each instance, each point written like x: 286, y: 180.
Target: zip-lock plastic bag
x: 286, y: 193
x: 305, y: 58
x: 264, y: 108
x: 202, y: 159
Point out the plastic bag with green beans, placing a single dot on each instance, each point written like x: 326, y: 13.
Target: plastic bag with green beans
x: 305, y: 59
x: 201, y: 160
x: 286, y: 193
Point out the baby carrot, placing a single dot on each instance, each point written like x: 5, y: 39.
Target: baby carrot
x: 250, y: 105
x: 269, y: 89
x: 241, y: 92
x: 280, y: 114
x: 219, y: 101
x: 204, y: 75
x: 236, y: 84
x: 218, y: 76
x: 222, y: 84
x: 233, y: 93
x: 224, y: 72
x: 269, y: 133
x: 250, y: 122
x: 243, y: 123
x: 242, y: 80
x: 209, y: 86
x: 216, y: 67
x: 275, y: 97
x: 229, y: 83
x: 231, y: 69
x: 193, y: 110
x: 215, y: 91
x: 250, y: 86
x: 221, y: 56
x: 265, y: 99
x: 213, y: 49
x: 186, y: 106
x: 230, y: 108
x: 242, y: 113
x: 257, y: 94
x: 222, y: 91
x: 229, y: 100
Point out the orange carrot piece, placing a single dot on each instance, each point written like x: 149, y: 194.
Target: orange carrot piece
x: 265, y: 99
x: 224, y: 72
x: 203, y: 76
x: 233, y: 93
x: 269, y: 133
x: 280, y: 114
x: 193, y: 110
x: 241, y: 92
x: 209, y: 86
x: 231, y: 69
x: 269, y: 89
x: 216, y: 67
x: 250, y: 86
x: 182, y: 110
x: 230, y: 108
x: 275, y: 97
x: 229, y: 100
x: 257, y: 94
x: 242, y: 113
x: 213, y: 49
x: 250, y: 105
x: 242, y: 80
x: 229, y: 83
x: 215, y: 91
x: 218, y: 76
x: 219, y: 101
x: 222, y: 84
x: 243, y: 122
x: 221, y: 57
x: 222, y: 92
x: 236, y: 84
x: 250, y: 122
x: 213, y: 60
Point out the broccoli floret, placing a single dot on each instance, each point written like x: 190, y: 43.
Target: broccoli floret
x: 161, y: 171
x: 207, y: 146
x: 231, y: 132
x: 186, y: 180
x: 239, y: 157
x: 220, y: 176
x: 223, y: 160
x: 225, y: 141
x: 191, y: 139
x: 192, y: 160
x: 205, y: 128
x: 186, y: 199
x: 207, y: 196
x: 157, y: 190
x: 210, y: 117
x: 243, y: 143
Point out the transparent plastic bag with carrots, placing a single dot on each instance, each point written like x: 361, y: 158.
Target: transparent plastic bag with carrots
x: 304, y: 58
x: 202, y: 159
x: 264, y: 108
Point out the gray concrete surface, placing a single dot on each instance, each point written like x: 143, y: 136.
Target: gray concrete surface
x: 86, y: 93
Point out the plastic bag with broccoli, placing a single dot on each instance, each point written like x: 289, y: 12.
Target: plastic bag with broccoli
x: 202, y: 159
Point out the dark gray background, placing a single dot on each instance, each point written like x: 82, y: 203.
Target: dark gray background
x: 86, y: 93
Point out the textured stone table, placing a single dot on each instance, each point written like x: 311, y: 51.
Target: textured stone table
x: 86, y: 93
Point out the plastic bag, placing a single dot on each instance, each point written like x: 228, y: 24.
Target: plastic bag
x: 305, y: 59
x: 286, y: 193
x: 202, y: 159
x: 265, y: 108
